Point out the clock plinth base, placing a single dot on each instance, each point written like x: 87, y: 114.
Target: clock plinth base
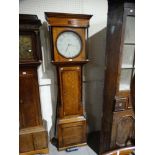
x: 33, y: 140
x: 71, y: 132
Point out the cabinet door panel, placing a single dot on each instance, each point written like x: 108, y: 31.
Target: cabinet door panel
x: 70, y: 137
x: 130, y: 30
x: 72, y: 133
x: 122, y: 128
x: 70, y: 79
x: 125, y: 79
x: 26, y: 143
x: 40, y: 140
x: 128, y: 56
x: 29, y: 99
x: 125, y: 123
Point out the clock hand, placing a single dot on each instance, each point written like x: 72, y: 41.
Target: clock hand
x: 67, y: 48
x: 73, y: 45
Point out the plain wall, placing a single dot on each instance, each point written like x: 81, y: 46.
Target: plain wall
x: 93, y: 71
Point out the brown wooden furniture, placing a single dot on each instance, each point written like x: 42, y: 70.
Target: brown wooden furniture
x: 32, y: 134
x: 122, y: 151
x: 68, y: 39
x: 118, y: 117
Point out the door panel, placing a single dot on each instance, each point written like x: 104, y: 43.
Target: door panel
x: 125, y: 127
x: 122, y: 128
x: 72, y: 133
x: 26, y: 143
x: 29, y: 99
x: 70, y: 79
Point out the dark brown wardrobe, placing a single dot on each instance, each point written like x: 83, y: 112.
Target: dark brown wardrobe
x: 118, y: 116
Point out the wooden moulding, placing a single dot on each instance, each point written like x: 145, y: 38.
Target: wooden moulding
x: 33, y: 140
x: 30, y: 64
x: 29, y: 19
x: 77, y: 145
x: 59, y: 63
x: 29, y: 22
x: 42, y: 151
x: 67, y: 19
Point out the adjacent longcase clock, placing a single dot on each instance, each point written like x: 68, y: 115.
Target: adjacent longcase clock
x: 32, y: 133
x: 68, y: 34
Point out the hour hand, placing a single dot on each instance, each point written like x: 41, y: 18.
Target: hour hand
x: 68, y: 46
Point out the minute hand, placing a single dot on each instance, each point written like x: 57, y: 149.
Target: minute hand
x: 67, y: 48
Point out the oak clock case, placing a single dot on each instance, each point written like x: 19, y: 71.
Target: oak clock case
x: 118, y: 116
x: 68, y: 33
x: 32, y: 129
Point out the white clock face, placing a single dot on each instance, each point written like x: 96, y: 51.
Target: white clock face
x: 69, y: 44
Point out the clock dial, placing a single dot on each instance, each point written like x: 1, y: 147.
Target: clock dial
x: 25, y: 47
x: 69, y: 44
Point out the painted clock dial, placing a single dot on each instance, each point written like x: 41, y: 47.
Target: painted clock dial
x: 25, y: 47
x: 69, y: 44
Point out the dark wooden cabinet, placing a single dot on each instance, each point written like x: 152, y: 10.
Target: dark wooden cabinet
x: 118, y: 116
x: 32, y: 130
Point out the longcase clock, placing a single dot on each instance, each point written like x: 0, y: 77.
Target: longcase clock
x: 68, y: 34
x: 33, y: 133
